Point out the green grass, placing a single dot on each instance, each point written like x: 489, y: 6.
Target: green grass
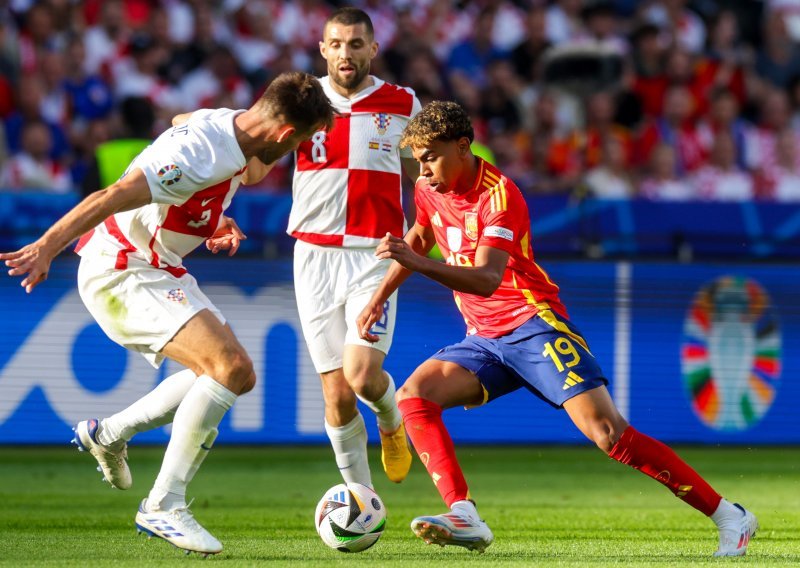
x: 547, y: 506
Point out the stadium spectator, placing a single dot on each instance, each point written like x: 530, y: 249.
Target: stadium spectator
x: 107, y: 39
x: 774, y: 116
x: 89, y: 97
x: 471, y: 58
x: 526, y: 55
x: 724, y: 117
x: 29, y: 105
x: 661, y: 182
x: 782, y: 182
x: 722, y: 179
x: 218, y: 76
x: 648, y: 68
x: 564, y: 22
x: 32, y: 167
x: 675, y: 128
x: 679, y: 25
x: 38, y: 36
x: 777, y: 61
x: 610, y: 178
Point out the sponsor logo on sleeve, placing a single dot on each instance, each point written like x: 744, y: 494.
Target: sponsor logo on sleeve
x: 499, y: 232
x: 169, y: 175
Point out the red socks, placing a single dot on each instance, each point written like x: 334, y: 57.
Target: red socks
x: 657, y: 460
x: 423, y: 422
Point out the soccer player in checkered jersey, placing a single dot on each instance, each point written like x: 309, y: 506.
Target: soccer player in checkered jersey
x: 518, y: 334
x: 347, y: 195
x: 131, y: 278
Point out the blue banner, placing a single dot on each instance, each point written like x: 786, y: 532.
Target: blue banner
x: 694, y: 354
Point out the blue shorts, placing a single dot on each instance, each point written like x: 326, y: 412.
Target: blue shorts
x: 547, y: 355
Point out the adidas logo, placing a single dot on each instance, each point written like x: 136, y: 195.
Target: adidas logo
x: 572, y: 380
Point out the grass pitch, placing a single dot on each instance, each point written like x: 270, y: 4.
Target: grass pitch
x: 547, y: 507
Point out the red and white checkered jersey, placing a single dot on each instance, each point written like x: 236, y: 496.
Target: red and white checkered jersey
x: 193, y: 171
x: 346, y: 185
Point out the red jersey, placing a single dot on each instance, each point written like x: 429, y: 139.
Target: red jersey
x: 493, y: 213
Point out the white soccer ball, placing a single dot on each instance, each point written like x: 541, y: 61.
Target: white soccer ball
x: 350, y: 517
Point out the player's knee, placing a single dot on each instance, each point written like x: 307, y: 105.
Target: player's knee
x: 409, y: 390
x: 235, y: 370
x: 367, y: 384
x: 249, y: 384
x: 605, y: 434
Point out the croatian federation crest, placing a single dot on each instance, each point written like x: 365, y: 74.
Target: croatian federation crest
x: 177, y: 295
x: 471, y: 225
x: 382, y: 122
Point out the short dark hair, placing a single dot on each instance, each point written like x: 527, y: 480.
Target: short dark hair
x: 438, y: 120
x: 298, y: 98
x: 349, y: 16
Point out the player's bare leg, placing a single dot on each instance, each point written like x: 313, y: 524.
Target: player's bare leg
x: 224, y: 371
x: 363, y: 370
x: 594, y: 413
x: 433, y: 386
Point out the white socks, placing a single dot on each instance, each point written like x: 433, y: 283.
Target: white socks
x: 466, y: 507
x: 727, y: 516
x: 350, y: 447
x: 154, y: 409
x: 385, y: 408
x: 193, y: 432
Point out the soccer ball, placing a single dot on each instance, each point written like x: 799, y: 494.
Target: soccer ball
x: 350, y: 517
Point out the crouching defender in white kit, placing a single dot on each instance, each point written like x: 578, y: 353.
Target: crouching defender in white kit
x: 131, y: 278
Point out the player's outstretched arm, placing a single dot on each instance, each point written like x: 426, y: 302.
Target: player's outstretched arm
x: 33, y: 260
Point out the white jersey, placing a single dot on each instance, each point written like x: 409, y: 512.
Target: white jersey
x: 193, y: 171
x: 347, y: 183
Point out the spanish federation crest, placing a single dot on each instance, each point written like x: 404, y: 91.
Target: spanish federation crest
x: 471, y: 225
x: 382, y: 121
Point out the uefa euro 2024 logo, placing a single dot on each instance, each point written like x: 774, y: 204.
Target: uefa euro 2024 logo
x: 731, y: 354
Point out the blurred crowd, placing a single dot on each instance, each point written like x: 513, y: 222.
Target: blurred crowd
x: 662, y: 99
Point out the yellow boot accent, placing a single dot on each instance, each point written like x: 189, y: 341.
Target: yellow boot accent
x: 395, y: 455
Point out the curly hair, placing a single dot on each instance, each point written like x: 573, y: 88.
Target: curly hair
x: 438, y: 120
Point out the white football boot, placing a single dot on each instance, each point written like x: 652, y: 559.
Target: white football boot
x: 460, y: 527
x: 113, y: 459
x: 178, y: 527
x: 733, y: 540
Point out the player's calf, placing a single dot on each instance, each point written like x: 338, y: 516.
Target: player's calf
x: 112, y: 459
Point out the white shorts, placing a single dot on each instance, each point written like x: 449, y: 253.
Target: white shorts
x: 140, y: 307
x: 333, y: 285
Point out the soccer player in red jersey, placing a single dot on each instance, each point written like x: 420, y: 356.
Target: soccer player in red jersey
x: 518, y: 334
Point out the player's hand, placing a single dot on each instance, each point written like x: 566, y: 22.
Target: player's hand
x: 366, y: 319
x: 32, y: 260
x: 228, y: 236
x: 397, y: 249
